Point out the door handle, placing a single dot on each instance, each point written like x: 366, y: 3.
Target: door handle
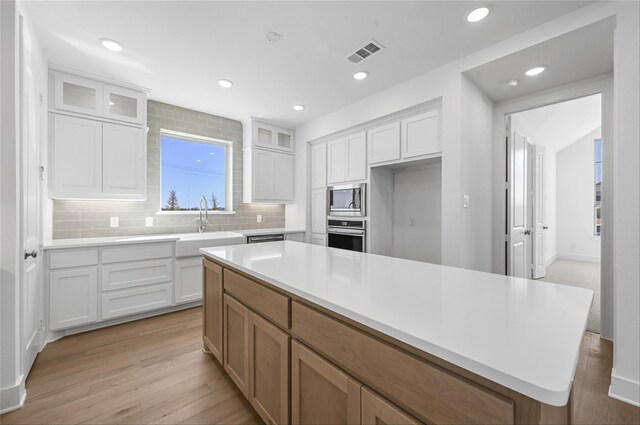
x: 527, y: 232
x: 545, y: 227
x: 33, y: 254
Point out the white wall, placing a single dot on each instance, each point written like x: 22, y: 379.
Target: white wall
x: 477, y: 140
x: 625, y: 378
x: 575, y: 200
x: 417, y: 213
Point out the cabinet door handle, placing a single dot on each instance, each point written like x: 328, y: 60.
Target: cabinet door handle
x: 33, y: 254
x: 545, y: 227
x: 527, y: 232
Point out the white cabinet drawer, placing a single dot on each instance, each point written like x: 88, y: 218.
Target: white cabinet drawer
x: 127, y: 275
x: 131, y: 301
x: 75, y: 258
x: 137, y: 252
x: 73, y: 297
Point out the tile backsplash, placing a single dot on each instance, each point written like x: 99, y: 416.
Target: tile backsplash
x: 88, y: 219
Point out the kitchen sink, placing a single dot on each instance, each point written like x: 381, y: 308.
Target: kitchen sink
x: 189, y: 244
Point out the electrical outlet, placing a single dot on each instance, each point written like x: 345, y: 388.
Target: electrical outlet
x: 148, y: 221
x: 113, y: 222
x: 412, y: 221
x: 465, y: 201
x: 259, y: 218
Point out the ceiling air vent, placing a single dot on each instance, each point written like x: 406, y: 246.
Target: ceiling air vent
x: 370, y: 48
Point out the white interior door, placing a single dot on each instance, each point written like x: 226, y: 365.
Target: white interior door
x: 538, y: 212
x: 31, y: 292
x: 518, y: 253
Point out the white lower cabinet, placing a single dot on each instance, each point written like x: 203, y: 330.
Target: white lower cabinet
x: 73, y: 295
x: 319, y: 211
x: 135, y: 300
x: 137, y: 273
x: 188, y: 282
x: 297, y: 237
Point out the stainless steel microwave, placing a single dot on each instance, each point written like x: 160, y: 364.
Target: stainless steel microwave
x: 347, y: 200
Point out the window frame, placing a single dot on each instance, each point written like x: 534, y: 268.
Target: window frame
x: 229, y: 169
x: 597, y: 205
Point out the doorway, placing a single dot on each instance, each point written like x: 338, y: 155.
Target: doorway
x: 554, y: 195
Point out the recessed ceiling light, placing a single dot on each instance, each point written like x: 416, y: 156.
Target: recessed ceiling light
x: 361, y: 75
x: 112, y: 45
x: 536, y: 71
x: 510, y: 84
x: 273, y: 37
x: 477, y: 14
x: 225, y: 83
x: 298, y: 107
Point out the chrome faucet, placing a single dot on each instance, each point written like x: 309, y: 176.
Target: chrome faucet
x: 206, y: 213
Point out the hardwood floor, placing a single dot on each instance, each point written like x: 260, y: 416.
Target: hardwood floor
x: 153, y: 371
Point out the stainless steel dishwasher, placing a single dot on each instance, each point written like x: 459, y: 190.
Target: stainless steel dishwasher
x: 265, y: 238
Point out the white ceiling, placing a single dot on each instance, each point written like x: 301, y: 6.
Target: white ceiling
x: 584, y: 53
x: 559, y: 125
x: 180, y: 49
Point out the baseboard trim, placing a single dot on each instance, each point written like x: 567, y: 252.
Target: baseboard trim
x: 550, y: 260
x: 624, y: 389
x: 13, y: 398
x: 578, y: 257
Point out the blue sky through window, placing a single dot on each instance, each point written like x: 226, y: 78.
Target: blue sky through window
x: 193, y: 169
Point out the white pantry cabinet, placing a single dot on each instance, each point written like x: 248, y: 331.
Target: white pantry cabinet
x: 347, y: 159
x: 317, y: 239
x: 319, y: 210
x: 384, y: 143
x: 268, y: 176
x: 319, y: 166
x: 421, y: 134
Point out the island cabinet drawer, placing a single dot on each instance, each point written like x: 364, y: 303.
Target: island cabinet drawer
x: 259, y: 298
x: 137, y: 273
x: 426, y: 390
x: 138, y: 252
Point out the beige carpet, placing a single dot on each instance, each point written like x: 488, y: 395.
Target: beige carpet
x: 582, y: 275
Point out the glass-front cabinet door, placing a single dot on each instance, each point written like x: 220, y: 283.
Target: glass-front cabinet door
x: 77, y: 94
x: 123, y: 104
x: 263, y: 135
x: 284, y: 139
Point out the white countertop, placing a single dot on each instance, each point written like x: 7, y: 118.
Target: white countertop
x: 520, y: 333
x: 120, y: 240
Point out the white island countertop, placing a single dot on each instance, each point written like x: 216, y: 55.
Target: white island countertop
x: 520, y: 333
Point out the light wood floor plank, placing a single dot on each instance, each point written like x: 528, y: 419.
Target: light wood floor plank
x: 154, y: 371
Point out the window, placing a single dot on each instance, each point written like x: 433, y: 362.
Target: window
x: 597, y: 197
x: 192, y: 167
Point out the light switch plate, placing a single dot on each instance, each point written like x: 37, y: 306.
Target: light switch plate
x: 113, y: 222
x: 148, y: 221
x: 259, y: 218
x: 465, y: 202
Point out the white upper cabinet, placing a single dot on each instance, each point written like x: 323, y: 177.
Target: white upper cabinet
x: 319, y: 210
x: 347, y: 159
x: 268, y: 136
x: 75, y: 157
x: 384, y: 143
x: 336, y: 161
x: 123, y: 104
x: 270, y: 176
x: 124, y: 160
x: 269, y: 164
x: 356, y: 157
x: 421, y: 135
x: 98, y: 142
x: 319, y: 166
x: 77, y: 94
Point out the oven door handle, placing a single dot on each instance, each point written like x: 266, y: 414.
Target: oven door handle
x: 345, y: 231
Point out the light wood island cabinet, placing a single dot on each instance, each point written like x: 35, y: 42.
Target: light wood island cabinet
x: 297, y: 362
x: 213, y: 308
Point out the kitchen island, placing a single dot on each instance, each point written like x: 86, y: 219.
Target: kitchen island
x: 320, y: 335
